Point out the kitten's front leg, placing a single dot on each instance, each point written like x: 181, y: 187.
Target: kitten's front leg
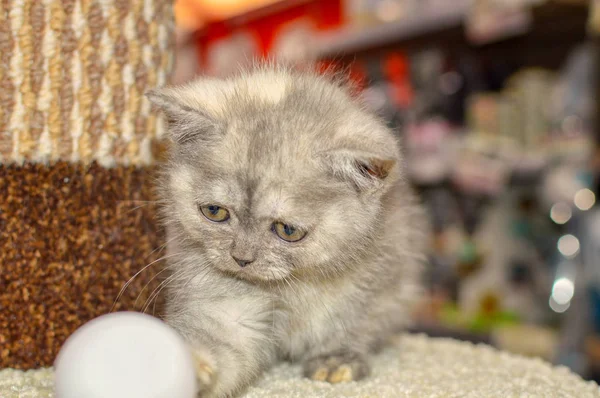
x: 231, y: 340
x: 224, y: 367
x: 337, y: 367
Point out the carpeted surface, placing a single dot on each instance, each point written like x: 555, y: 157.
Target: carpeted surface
x: 414, y: 366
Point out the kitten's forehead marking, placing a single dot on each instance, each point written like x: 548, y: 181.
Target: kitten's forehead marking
x: 213, y: 94
x: 269, y: 87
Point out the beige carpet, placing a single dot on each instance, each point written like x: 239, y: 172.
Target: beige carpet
x: 414, y: 366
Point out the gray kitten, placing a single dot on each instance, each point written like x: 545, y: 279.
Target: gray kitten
x: 292, y: 233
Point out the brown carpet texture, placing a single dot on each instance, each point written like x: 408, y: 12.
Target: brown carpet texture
x: 70, y: 237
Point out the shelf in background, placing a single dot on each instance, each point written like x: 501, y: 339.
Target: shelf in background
x: 553, y: 23
x: 351, y: 40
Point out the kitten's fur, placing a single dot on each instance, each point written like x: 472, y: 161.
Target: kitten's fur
x: 276, y: 145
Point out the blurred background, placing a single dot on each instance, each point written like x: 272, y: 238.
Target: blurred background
x: 496, y: 102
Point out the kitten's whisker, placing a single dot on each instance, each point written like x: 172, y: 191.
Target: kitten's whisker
x: 137, y: 207
x: 155, y: 293
x: 140, y: 201
x: 316, y: 295
x: 310, y: 319
x: 293, y: 308
x: 273, y: 305
x: 147, y: 284
x: 193, y: 273
x: 161, y: 247
x: 160, y: 287
x: 126, y: 285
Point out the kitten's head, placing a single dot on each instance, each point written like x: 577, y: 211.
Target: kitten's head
x: 274, y: 173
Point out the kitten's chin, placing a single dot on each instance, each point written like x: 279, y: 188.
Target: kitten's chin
x: 257, y: 275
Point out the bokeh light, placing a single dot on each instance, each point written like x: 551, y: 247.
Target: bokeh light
x: 558, y: 308
x: 560, y: 213
x: 584, y: 199
x: 568, y: 245
x: 563, y: 291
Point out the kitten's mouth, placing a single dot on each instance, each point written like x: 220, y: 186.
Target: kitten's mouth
x: 254, y: 275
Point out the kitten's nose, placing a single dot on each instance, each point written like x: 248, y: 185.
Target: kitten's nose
x: 242, y: 263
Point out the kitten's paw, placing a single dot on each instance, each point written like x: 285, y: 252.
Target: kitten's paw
x: 205, y: 374
x: 337, y: 367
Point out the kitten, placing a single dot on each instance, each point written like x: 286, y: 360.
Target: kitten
x: 292, y: 233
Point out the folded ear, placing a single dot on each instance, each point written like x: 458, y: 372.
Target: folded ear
x: 366, y: 171
x: 186, y: 123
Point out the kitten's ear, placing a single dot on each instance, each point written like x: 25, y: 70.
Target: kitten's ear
x: 186, y: 123
x: 366, y: 171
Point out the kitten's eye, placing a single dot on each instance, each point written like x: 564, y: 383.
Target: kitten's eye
x: 287, y: 232
x: 215, y: 213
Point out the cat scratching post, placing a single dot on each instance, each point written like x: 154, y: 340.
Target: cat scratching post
x: 77, y: 144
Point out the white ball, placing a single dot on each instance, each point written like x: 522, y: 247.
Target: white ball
x: 125, y: 355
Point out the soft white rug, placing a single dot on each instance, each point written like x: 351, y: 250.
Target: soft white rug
x: 413, y: 366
